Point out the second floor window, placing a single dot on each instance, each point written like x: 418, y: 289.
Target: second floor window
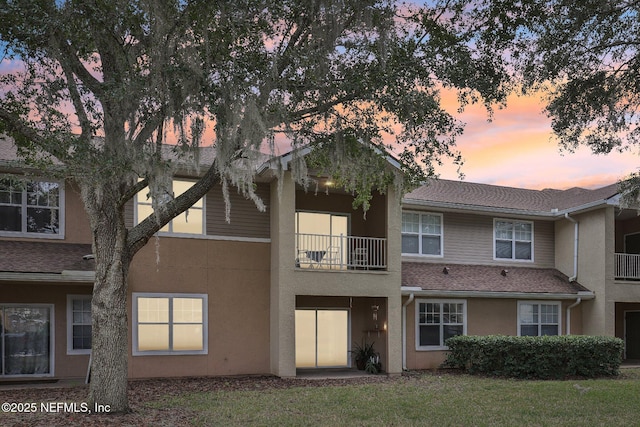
x: 191, y: 221
x: 513, y: 240
x: 421, y: 233
x: 30, y: 207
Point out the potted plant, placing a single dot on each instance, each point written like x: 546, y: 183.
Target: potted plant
x: 366, y: 357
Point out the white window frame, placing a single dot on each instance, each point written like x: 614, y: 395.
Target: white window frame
x: 513, y: 240
x: 441, y: 346
x: 170, y: 296
x: 70, y: 324
x: 539, y: 324
x: 137, y: 200
x: 24, y: 209
x: 420, y: 234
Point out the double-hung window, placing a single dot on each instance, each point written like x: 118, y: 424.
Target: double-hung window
x: 513, y: 239
x: 438, y: 320
x: 78, y: 324
x: 422, y: 233
x: 30, y: 208
x: 191, y: 221
x: 169, y: 324
x: 537, y: 318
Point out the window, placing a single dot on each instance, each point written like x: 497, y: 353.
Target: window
x: 190, y: 221
x: 437, y: 320
x: 26, y: 340
x: 78, y: 324
x: 513, y: 240
x: 30, y: 207
x: 169, y: 324
x: 537, y: 318
x: 421, y: 233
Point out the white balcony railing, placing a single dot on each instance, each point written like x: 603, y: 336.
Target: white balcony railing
x: 341, y: 252
x: 627, y: 266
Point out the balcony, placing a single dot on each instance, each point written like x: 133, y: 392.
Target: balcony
x: 627, y: 266
x: 341, y: 252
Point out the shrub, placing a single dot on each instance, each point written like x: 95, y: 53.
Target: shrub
x: 536, y: 357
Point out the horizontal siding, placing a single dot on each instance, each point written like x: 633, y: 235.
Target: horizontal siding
x: 128, y: 213
x: 468, y: 239
x: 246, y: 219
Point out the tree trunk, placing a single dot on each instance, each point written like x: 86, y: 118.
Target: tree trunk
x: 110, y: 349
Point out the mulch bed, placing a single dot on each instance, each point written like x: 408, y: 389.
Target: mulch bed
x: 140, y: 393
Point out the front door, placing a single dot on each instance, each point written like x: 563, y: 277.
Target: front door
x: 322, y: 338
x: 632, y: 334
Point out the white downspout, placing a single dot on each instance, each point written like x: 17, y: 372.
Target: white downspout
x: 568, y: 317
x: 575, y: 248
x: 404, y: 332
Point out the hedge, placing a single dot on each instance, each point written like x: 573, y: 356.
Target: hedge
x: 536, y: 357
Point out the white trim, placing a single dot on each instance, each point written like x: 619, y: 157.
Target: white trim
x: 170, y: 296
x: 420, y: 234
x: 52, y: 340
x: 513, y: 241
x: 539, y: 303
x: 70, y: 323
x: 67, y: 276
x: 215, y: 237
x: 417, y: 323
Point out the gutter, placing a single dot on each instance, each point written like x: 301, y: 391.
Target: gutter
x: 67, y: 276
x: 575, y: 247
x: 568, y: 316
x: 404, y: 331
x: 419, y: 292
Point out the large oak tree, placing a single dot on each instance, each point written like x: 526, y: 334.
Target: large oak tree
x: 101, y: 85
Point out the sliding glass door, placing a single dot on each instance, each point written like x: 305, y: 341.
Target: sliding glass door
x: 26, y: 340
x: 322, y: 338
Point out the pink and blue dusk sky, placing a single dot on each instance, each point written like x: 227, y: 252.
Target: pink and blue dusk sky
x: 515, y: 149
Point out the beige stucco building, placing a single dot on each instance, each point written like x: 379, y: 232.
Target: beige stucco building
x: 296, y: 286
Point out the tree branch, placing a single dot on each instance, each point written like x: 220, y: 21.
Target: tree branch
x: 132, y: 191
x: 18, y: 127
x: 140, y: 234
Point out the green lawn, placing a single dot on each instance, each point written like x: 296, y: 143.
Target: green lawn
x: 427, y: 399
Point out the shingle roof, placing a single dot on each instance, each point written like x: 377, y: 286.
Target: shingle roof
x: 471, y: 194
x: 486, y: 278
x: 206, y: 155
x: 43, y: 257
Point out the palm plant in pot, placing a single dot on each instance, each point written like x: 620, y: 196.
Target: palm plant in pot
x: 366, y: 357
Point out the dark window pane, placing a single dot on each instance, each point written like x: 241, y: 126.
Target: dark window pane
x: 529, y: 330
x: 549, y: 329
x: 10, y: 218
x: 42, y: 220
x: 81, y: 337
x: 523, y: 250
x: 451, y: 331
x: 409, y: 244
x: 431, y: 245
x: 503, y: 249
x: 429, y: 335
